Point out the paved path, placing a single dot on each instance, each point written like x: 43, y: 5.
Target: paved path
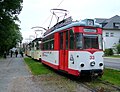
x: 14, y: 76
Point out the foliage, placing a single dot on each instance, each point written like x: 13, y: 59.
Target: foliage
x: 118, y: 48
x: 108, y: 52
x: 36, y: 68
x: 9, y: 31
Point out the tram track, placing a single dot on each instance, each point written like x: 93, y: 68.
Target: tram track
x: 114, y: 86
x: 94, y: 85
x: 100, y: 86
x: 78, y: 80
x: 84, y: 82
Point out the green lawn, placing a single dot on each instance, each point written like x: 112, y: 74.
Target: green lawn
x: 36, y: 68
x: 112, y: 76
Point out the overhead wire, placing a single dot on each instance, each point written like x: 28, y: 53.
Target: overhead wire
x: 60, y: 3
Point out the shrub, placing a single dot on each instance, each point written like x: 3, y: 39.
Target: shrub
x: 108, y: 52
x: 118, y: 48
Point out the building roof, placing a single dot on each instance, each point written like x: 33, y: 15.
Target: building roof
x: 109, y: 23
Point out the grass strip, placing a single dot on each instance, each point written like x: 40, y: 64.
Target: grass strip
x: 112, y: 76
x: 36, y: 68
x: 114, y: 56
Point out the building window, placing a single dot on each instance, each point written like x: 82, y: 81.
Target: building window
x: 116, y: 25
x: 107, y: 34
x: 111, y: 34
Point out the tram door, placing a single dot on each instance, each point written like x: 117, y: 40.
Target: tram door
x: 63, y: 51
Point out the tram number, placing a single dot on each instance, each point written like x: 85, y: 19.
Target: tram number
x: 92, y: 57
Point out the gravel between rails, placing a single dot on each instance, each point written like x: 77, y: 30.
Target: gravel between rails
x: 57, y: 83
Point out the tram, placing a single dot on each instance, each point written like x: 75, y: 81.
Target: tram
x: 74, y: 47
x: 28, y: 50
x: 36, y: 46
x: 33, y: 49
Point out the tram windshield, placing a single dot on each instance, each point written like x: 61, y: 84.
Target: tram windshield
x: 86, y: 41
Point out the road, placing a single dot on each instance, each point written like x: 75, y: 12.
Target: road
x: 112, y: 63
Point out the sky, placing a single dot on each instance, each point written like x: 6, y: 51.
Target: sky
x: 37, y: 13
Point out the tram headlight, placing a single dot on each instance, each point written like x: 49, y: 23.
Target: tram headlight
x: 92, y: 63
x: 82, y: 65
x: 101, y: 64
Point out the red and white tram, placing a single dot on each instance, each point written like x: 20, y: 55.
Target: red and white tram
x: 74, y: 47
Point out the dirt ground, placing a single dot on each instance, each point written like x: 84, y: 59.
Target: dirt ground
x: 44, y: 83
x: 15, y: 77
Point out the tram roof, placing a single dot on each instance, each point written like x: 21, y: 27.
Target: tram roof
x: 37, y: 39
x: 74, y: 24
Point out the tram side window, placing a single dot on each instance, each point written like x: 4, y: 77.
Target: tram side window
x: 37, y: 46
x: 71, y: 39
x: 48, y: 44
x: 52, y: 45
x: 61, y: 40
x: 67, y: 40
x: 32, y: 45
x: 29, y: 47
x: 45, y: 46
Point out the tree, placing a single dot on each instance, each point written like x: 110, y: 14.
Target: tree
x: 9, y: 31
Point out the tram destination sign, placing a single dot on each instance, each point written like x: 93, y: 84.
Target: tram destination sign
x: 90, y: 30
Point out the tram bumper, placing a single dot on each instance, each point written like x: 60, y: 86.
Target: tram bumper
x: 93, y: 72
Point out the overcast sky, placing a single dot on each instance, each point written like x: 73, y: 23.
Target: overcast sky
x: 37, y: 12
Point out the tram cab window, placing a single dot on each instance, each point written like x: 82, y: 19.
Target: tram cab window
x: 91, y: 41
x: 79, y: 41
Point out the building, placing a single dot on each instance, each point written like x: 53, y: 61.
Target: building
x: 111, y: 31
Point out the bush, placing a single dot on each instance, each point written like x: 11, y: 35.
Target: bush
x: 108, y: 52
x: 118, y: 48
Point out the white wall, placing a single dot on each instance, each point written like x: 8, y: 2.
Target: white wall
x: 109, y: 42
